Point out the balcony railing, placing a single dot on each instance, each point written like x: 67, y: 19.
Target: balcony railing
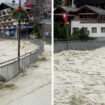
x: 4, y: 19
x: 88, y: 21
x: 101, y: 21
x: 4, y: 26
x: 8, y: 11
x: 9, y: 18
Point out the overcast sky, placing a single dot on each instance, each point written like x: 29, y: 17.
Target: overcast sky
x: 8, y: 1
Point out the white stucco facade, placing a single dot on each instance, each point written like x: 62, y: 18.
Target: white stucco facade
x: 98, y: 28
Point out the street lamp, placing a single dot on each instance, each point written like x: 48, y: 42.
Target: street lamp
x: 19, y: 39
x: 65, y: 18
x: 67, y: 34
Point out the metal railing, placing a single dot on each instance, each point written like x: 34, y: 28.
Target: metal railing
x: 9, y: 69
x: 78, y: 45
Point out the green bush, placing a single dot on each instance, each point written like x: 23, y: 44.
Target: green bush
x: 59, y: 32
x: 80, y: 34
x: 35, y: 29
x: 57, y: 3
x: 83, y: 34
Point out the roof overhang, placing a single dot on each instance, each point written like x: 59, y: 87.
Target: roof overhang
x: 12, y: 6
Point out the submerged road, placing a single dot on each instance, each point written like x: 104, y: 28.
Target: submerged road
x: 33, y: 86
x: 39, y: 97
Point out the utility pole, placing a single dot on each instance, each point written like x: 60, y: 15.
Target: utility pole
x: 19, y: 40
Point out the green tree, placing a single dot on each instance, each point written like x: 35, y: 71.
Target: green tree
x: 83, y: 34
x: 59, y: 32
x: 80, y: 34
x: 57, y: 3
x: 35, y: 29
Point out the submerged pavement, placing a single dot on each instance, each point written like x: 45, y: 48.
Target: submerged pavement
x: 39, y: 97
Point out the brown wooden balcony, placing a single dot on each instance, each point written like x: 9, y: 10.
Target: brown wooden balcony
x: 3, y: 13
x: 8, y: 11
x: 9, y: 18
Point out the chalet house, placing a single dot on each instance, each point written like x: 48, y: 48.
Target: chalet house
x: 88, y: 17
x: 41, y: 15
x: 40, y: 10
x: 9, y: 25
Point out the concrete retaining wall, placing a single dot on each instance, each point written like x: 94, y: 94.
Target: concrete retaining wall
x: 9, y: 69
x: 60, y: 46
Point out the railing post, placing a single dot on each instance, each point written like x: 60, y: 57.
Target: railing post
x: 30, y: 57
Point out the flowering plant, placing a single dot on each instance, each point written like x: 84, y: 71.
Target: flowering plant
x: 20, y: 13
x: 29, y: 4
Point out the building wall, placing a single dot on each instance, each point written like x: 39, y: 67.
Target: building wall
x: 89, y: 26
x: 8, y: 26
x: 40, y: 10
x: 7, y: 23
x: 45, y: 32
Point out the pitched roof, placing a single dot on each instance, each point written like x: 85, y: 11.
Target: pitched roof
x: 95, y: 9
x: 87, y: 2
x: 67, y: 9
x: 14, y: 5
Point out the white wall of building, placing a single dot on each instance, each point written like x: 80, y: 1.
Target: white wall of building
x: 89, y: 26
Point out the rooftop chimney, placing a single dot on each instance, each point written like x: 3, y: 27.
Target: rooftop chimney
x: 73, y: 5
x: 13, y: 1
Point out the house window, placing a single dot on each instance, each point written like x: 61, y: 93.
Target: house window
x: 75, y: 29
x: 85, y: 28
x: 103, y: 29
x: 94, y: 30
x: 61, y: 25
